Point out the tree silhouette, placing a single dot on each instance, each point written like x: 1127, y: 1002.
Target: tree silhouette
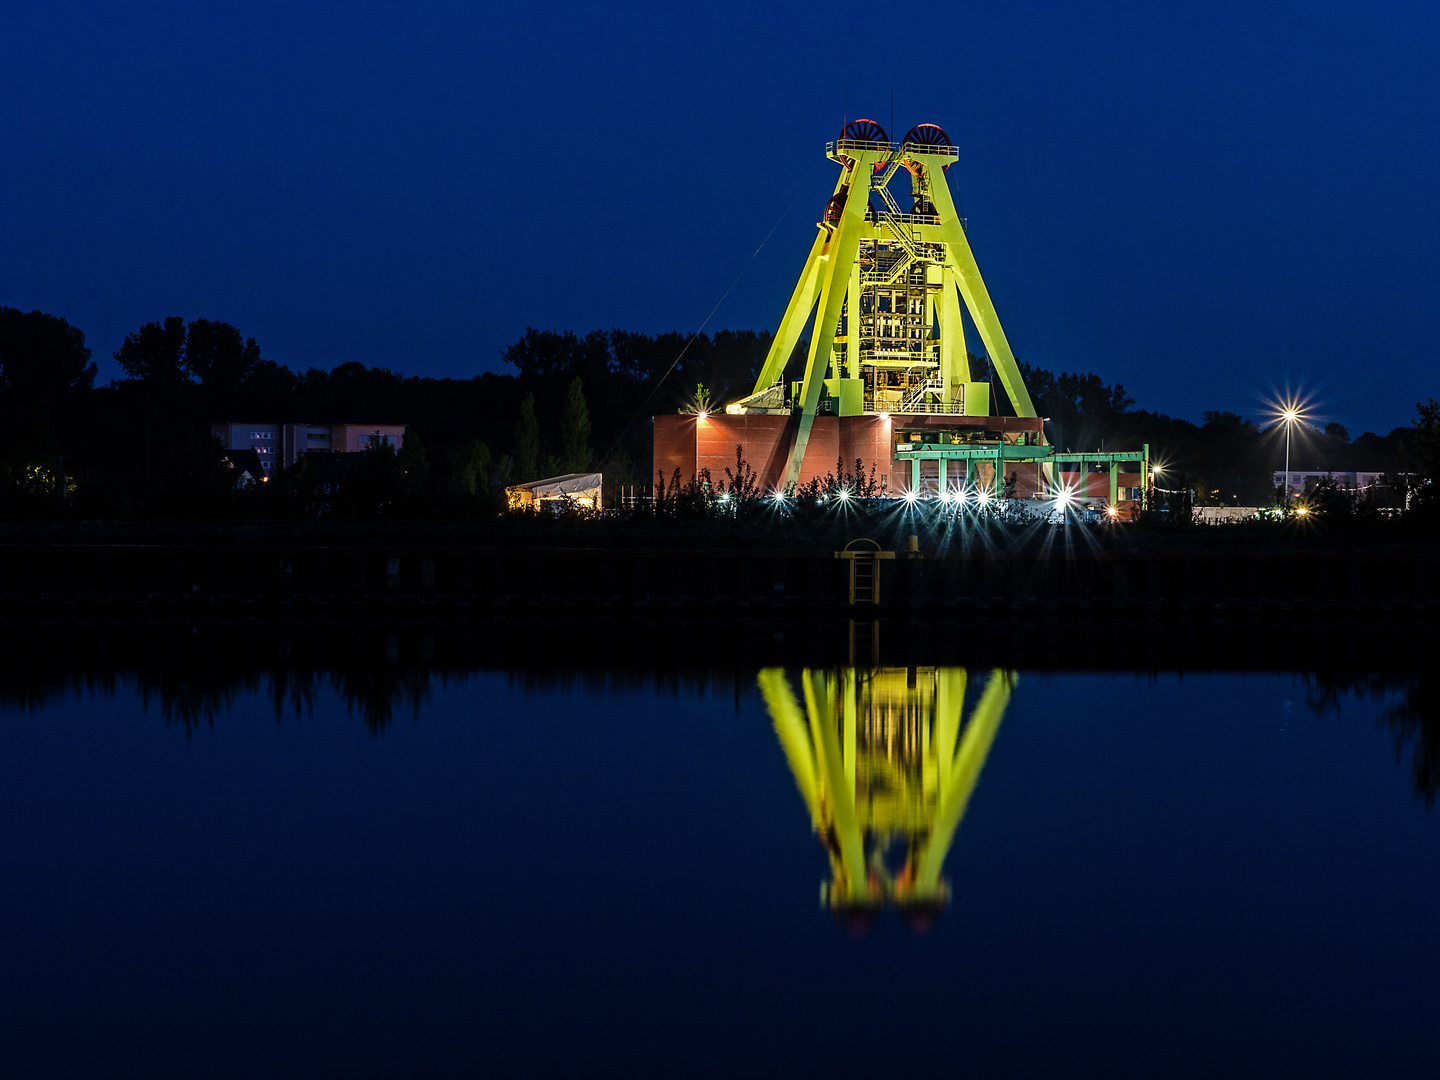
x: 219, y: 357
x: 575, y: 429
x: 155, y: 353
x: 527, y: 440
x: 43, y: 359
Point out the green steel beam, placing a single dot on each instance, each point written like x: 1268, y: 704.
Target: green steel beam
x: 792, y: 729
x: 955, y: 795
x: 954, y: 360
x: 797, y: 314
x: 841, y: 798
x: 1101, y: 457
x: 836, y: 259
x: 852, y: 324
x: 849, y: 691
x: 949, y: 702
x: 936, y: 452
x: 1145, y: 480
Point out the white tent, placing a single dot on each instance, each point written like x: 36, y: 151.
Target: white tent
x: 582, y: 489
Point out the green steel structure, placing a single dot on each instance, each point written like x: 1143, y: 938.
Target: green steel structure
x: 885, y: 287
x: 886, y: 757
x: 969, y: 458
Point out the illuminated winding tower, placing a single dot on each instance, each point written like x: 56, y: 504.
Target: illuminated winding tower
x: 884, y: 296
x: 886, y: 760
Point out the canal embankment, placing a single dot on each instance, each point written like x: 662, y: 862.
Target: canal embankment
x: 982, y: 583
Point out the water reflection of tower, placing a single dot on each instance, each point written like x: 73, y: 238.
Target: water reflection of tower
x: 886, y: 757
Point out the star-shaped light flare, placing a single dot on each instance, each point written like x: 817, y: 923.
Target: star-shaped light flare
x: 1290, y: 410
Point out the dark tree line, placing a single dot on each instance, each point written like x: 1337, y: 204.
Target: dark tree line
x: 1226, y: 459
x: 141, y: 446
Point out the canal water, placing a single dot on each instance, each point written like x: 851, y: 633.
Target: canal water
x: 791, y: 872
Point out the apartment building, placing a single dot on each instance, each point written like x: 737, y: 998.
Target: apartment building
x: 1298, y: 482
x: 281, y: 445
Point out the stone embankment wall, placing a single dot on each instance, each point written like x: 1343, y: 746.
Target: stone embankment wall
x: 719, y: 584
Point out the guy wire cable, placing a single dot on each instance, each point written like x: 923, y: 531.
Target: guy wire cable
x: 699, y: 331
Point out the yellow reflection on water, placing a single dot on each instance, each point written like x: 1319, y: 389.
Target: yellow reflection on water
x: 886, y: 758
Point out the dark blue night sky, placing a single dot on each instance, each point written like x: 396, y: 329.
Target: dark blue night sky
x: 1205, y: 202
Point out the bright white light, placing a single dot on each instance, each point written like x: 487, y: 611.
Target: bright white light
x: 701, y: 415
x: 1063, y: 499
x: 779, y: 496
x: 844, y: 494
x: 724, y: 496
x: 1292, y: 409
x: 945, y: 497
x: 983, y: 496
x: 1112, y: 510
x: 885, y: 416
x: 910, y: 496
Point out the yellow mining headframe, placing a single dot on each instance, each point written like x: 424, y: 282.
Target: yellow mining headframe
x: 886, y: 286
x: 883, y: 756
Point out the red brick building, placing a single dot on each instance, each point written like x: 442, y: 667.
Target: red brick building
x: 690, y: 443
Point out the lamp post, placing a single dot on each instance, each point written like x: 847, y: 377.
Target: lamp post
x: 1289, y: 416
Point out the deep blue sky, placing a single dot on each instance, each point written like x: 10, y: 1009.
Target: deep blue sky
x: 1205, y: 202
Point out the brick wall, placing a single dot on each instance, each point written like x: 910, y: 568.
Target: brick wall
x: 690, y: 444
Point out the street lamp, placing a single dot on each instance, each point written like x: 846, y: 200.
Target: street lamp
x: 1289, y: 416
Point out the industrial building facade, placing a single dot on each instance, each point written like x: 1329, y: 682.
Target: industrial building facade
x: 690, y: 443
x: 883, y: 298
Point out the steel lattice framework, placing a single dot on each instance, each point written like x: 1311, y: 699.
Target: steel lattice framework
x: 885, y: 756
x: 885, y: 288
